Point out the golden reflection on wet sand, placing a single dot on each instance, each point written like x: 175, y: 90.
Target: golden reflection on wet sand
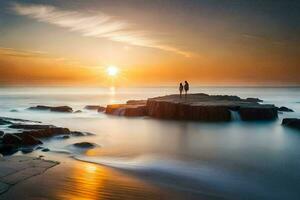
x: 87, y: 181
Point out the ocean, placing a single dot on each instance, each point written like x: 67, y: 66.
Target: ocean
x: 233, y: 160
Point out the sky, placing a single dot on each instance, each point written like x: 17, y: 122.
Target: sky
x: 151, y: 42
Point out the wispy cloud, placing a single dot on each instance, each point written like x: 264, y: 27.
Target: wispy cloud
x: 98, y: 25
x: 21, y: 53
x: 262, y: 38
x: 24, y: 54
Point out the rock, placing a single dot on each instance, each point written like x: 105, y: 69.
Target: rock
x: 12, y: 139
x: 28, y: 140
x: 291, y: 122
x: 1, y: 133
x: 78, y: 111
x: 251, y: 113
x: 44, y: 133
x: 53, y: 108
x: 30, y: 126
x: 84, y: 145
x: 254, y: 100
x: 101, y: 109
x: 8, y: 149
x: 136, y: 102
x: 115, y: 109
x: 14, y: 110
x: 78, y: 133
x: 26, y: 150
x: 20, y: 140
x: 62, y: 109
x: 201, y: 107
x: 9, y: 119
x: 4, y: 122
x: 92, y: 107
x: 39, y: 107
x: 45, y: 150
x: 169, y: 110
x: 284, y: 109
x: 129, y: 110
x: 63, y: 137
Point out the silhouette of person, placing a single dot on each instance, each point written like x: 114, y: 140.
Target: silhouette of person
x: 180, y: 89
x: 186, y: 88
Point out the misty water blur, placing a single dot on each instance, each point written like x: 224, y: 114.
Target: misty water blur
x: 235, y: 159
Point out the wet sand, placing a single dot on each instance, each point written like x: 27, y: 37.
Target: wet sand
x: 73, y: 179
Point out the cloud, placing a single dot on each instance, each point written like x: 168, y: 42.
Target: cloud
x: 21, y: 53
x: 97, y: 25
x: 262, y: 38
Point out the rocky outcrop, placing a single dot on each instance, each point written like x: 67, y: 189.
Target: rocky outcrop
x: 29, y: 135
x: 86, y: 145
x: 284, y: 109
x: 291, y: 122
x: 201, y: 107
x: 66, y: 109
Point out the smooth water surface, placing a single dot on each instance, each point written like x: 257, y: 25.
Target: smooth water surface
x: 235, y: 160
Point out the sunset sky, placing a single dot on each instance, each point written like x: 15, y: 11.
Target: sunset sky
x: 152, y: 42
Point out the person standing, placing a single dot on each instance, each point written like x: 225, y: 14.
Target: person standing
x: 180, y: 89
x: 186, y: 88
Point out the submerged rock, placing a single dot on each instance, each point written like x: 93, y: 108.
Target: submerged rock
x: 291, y: 122
x: 284, y: 109
x: 4, y: 122
x: 84, y: 145
x: 92, y: 107
x: 49, y: 132
x: 53, y: 108
x: 45, y: 149
x: 78, y: 111
x: 30, y: 126
x: 78, y: 133
x: 20, y: 139
x: 27, y: 150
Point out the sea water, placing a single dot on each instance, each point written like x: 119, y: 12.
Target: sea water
x: 235, y: 160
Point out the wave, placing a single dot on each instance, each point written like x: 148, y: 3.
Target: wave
x: 196, y: 178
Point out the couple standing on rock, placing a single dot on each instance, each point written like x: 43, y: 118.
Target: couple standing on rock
x: 186, y: 88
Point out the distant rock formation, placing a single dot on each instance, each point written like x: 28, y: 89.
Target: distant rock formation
x: 66, y: 109
x: 201, y: 107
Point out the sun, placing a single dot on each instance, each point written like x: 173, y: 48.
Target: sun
x: 112, y: 70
